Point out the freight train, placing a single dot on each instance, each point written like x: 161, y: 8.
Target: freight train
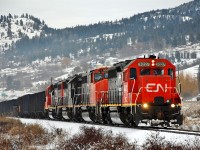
x: 143, y: 90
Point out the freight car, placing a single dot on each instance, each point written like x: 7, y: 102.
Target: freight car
x: 30, y: 105
x: 130, y: 92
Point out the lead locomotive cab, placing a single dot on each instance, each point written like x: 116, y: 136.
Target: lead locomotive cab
x: 150, y: 84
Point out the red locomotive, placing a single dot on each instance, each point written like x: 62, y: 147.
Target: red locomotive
x: 147, y: 91
x: 129, y: 92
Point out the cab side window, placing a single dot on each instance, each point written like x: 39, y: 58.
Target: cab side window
x: 171, y: 72
x: 133, y: 73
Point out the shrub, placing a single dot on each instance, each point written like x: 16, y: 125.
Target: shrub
x: 16, y: 134
x: 96, y: 139
x: 154, y: 141
x: 7, y: 124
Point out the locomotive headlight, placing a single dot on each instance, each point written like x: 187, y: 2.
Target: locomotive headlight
x: 173, y: 105
x: 153, y: 62
x: 145, y: 105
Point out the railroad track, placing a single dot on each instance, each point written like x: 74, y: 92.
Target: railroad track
x: 157, y: 129
x: 171, y: 130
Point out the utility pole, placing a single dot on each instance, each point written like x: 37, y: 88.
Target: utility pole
x: 198, y: 78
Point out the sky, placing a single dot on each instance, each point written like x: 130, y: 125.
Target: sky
x: 68, y: 13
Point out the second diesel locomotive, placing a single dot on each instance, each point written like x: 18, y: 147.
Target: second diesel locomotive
x: 129, y: 92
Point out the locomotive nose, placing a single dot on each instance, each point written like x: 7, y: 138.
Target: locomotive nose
x: 155, y: 89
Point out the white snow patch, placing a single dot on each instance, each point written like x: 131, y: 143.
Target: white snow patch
x: 131, y: 134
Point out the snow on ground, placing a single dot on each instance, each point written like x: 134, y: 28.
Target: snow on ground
x: 131, y: 134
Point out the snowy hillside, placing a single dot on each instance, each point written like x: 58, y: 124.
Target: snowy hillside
x: 13, y: 28
x: 36, y: 76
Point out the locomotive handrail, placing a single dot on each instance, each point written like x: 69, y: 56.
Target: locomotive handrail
x: 131, y: 96
x: 102, y: 92
x: 145, y: 87
x: 176, y: 92
x: 137, y: 98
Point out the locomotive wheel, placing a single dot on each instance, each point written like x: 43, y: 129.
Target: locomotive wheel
x: 66, y: 114
x: 123, y: 117
x: 179, y: 119
x: 129, y: 120
x: 137, y: 119
x: 92, y: 114
x: 51, y: 114
x: 108, y: 119
x: 59, y: 114
x: 77, y: 115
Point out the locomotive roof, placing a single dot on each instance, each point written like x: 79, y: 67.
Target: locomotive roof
x: 102, y: 67
x: 84, y: 74
x: 74, y: 77
x: 120, y: 65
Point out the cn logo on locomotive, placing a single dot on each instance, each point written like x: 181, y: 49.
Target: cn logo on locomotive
x: 153, y: 87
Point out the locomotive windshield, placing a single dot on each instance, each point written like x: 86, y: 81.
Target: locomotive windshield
x: 145, y: 71
x: 151, y: 72
x: 106, y: 75
x: 158, y: 71
x: 98, y: 76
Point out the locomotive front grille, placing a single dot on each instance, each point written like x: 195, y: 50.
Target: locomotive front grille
x: 159, y: 100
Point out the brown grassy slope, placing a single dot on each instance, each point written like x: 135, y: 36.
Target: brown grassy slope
x: 189, y: 86
x: 21, y: 136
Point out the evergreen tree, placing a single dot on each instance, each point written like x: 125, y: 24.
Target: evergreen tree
x: 20, y: 34
x: 17, y: 22
x: 26, y: 16
x: 4, y: 18
x: 6, y: 45
x: 21, y: 23
x: 1, y: 19
x: 9, y: 32
x: 35, y: 26
x: 10, y: 16
x: 191, y: 38
x: 178, y: 56
x: 198, y: 36
x: 198, y: 78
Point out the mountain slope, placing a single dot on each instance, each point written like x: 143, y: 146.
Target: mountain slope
x: 154, y: 30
